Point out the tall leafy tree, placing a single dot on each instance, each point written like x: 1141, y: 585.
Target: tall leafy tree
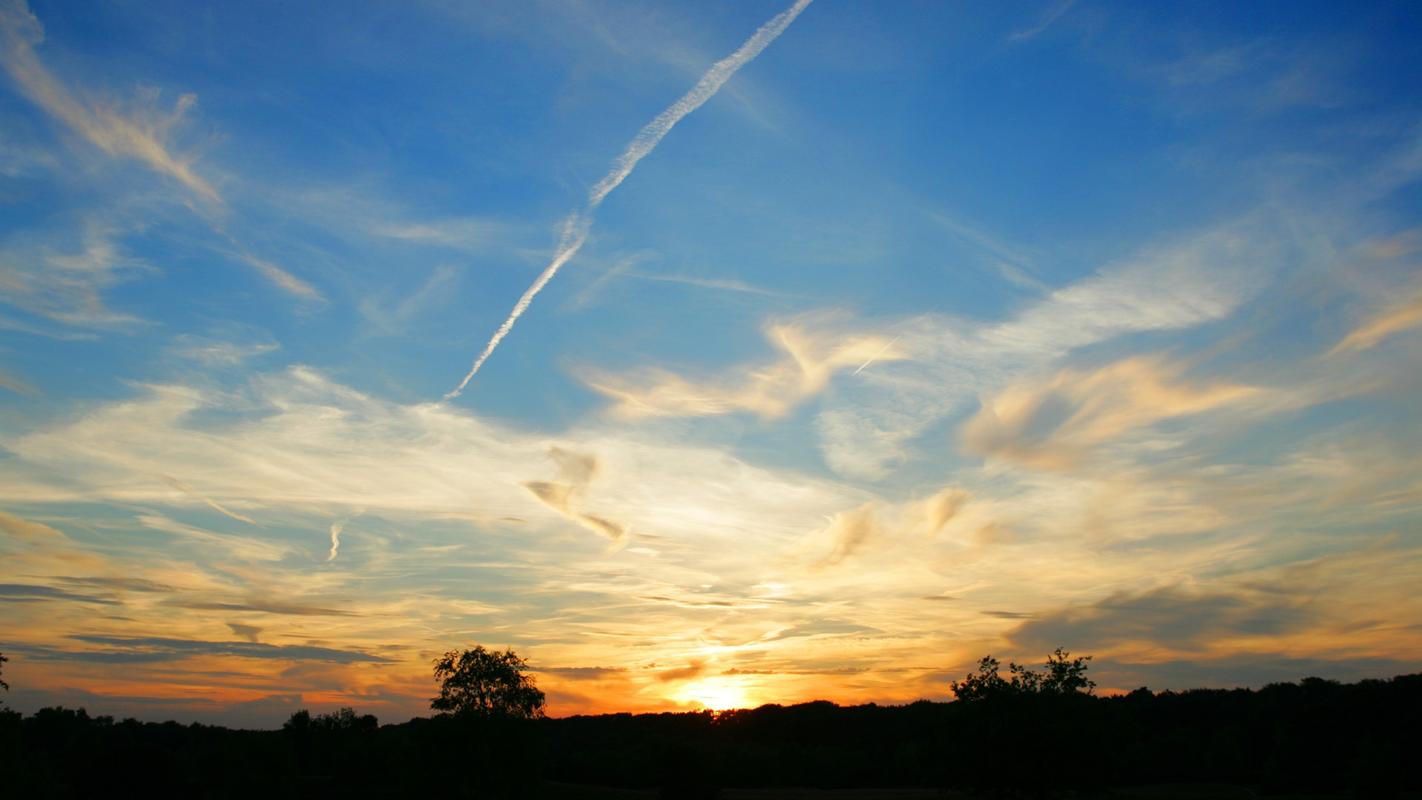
x: 486, y: 683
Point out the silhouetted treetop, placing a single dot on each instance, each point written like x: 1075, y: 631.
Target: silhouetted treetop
x: 1062, y: 675
x: 485, y: 683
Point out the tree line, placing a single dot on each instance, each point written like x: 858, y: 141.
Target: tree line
x: 1030, y: 733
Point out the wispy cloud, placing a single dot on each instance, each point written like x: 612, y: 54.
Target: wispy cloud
x: 219, y: 352
x: 719, y: 284
x: 1051, y: 15
x: 280, y: 277
x: 144, y: 133
x: 575, y: 472
x: 577, y: 226
x: 67, y: 286
x: 1390, y: 321
x: 207, y: 501
x: 143, y: 649
x: 810, y: 359
x: 145, y: 136
x: 337, y: 528
x: 1054, y: 423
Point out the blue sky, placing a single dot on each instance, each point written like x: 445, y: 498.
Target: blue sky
x: 902, y: 334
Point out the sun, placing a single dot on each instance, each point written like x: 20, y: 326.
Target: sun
x: 715, y: 694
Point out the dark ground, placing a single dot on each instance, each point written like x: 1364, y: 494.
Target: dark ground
x: 1312, y: 739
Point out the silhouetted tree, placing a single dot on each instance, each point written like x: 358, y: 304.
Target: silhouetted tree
x: 1063, y: 675
x: 984, y: 683
x: 3, y: 684
x: 485, y: 683
x: 1066, y: 675
x: 346, y: 720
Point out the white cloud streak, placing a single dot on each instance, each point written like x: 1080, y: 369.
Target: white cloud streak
x: 205, y: 500
x: 107, y: 129
x: 336, y: 528
x: 143, y: 134
x: 577, y: 226
x: 1052, y: 15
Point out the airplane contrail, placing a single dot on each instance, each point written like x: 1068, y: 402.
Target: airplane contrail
x: 213, y: 504
x: 577, y: 226
x: 875, y: 357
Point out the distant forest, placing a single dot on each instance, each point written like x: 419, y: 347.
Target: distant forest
x: 1316, y: 736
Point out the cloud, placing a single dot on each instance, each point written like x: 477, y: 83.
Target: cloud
x: 68, y: 286
x: 942, y: 507
x: 1247, y: 669
x: 1055, y: 423
x: 864, y: 427
x: 575, y: 471
x: 1390, y: 321
x: 267, y: 607
x: 687, y: 672
x: 219, y: 353
x: 470, y: 233
x: 577, y: 226
x: 847, y: 531
x: 719, y: 284
x: 12, y: 384
x: 207, y: 501
x: 1171, y: 617
x: 248, y: 632
x: 581, y: 673
x: 25, y: 529
x: 140, y: 649
x: 143, y: 135
x: 22, y: 592
x: 283, y: 279
x: 336, y: 528
x: 122, y: 584
x: 809, y: 360
x: 301, y: 443
x: 1052, y: 15
x: 238, y: 548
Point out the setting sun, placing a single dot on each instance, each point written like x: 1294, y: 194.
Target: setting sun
x: 716, y: 694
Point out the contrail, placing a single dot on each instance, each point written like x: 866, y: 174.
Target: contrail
x: 875, y: 357
x: 576, y: 226
x: 213, y: 504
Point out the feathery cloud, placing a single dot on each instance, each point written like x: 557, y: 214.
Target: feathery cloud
x: 142, y: 137
x: 1052, y: 15
x: 577, y: 226
x: 1390, y: 321
x: 144, y: 134
x: 1054, y: 423
x: 810, y: 358
x: 207, y: 501
x: 575, y: 471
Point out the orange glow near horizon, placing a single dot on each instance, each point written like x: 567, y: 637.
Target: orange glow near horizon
x: 721, y: 693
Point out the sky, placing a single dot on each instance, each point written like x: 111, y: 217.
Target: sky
x: 705, y: 354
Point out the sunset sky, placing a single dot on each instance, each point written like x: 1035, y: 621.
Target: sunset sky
x: 857, y: 341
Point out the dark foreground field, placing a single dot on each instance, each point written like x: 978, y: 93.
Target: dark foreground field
x: 1312, y: 739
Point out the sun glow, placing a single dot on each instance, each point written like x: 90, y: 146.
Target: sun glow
x: 716, y: 694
